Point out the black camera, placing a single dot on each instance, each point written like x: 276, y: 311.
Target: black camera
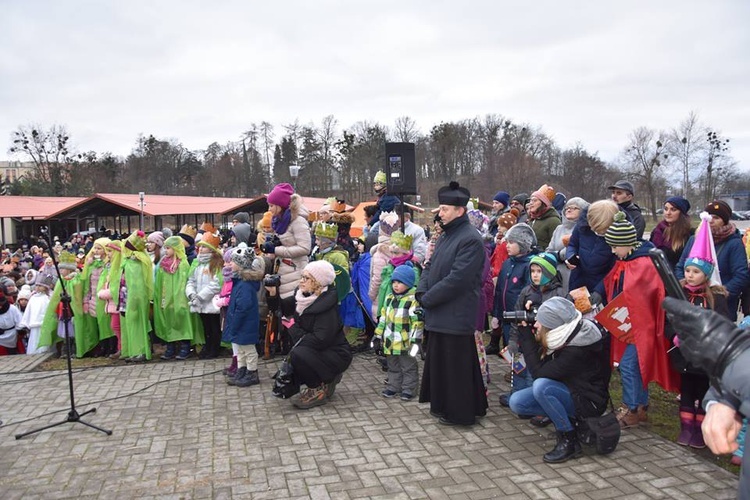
x: 272, y: 280
x: 519, y: 316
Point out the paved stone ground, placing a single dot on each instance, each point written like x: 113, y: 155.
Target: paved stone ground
x: 193, y: 436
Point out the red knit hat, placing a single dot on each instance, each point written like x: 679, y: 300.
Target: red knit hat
x: 281, y: 195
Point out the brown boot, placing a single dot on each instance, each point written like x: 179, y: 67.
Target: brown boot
x: 627, y: 417
x: 312, y: 398
x: 642, y: 413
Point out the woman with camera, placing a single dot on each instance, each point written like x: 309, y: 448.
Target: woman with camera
x: 321, y: 352
x: 571, y: 371
x: 291, y: 242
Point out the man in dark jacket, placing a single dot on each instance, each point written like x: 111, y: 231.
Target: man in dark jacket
x: 448, y: 291
x: 622, y: 194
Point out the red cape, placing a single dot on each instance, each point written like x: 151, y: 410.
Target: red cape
x: 643, y: 292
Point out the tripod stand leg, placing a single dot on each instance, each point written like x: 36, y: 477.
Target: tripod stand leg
x: 105, y: 431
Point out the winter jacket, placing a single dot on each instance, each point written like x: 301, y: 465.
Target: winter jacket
x: 418, y: 242
x: 381, y: 256
x: 400, y: 323
x: 242, y: 323
x: 295, y: 248
x: 537, y: 296
x: 596, y: 257
x: 558, y: 248
x: 513, y: 277
x: 634, y: 214
x: 732, y: 263
x: 451, y: 282
x: 361, y: 282
x: 386, y: 203
x: 204, y: 285
x: 582, y: 365
x: 544, y: 226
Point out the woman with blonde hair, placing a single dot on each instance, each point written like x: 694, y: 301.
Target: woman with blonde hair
x: 588, y: 256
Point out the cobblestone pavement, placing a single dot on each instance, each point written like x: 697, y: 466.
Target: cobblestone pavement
x: 193, y: 436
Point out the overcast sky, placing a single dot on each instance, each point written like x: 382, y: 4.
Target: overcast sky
x: 199, y: 72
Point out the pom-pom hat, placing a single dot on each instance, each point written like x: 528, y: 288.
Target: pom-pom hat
x: 621, y: 233
x: 24, y: 292
x: 548, y: 263
x: 545, y: 194
x: 453, y: 194
x: 379, y: 178
x: 157, y: 238
x: 244, y: 257
x: 508, y: 219
x: 702, y: 254
x: 523, y: 236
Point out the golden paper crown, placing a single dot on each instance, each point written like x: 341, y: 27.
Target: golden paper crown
x: 189, y: 230
x: 211, y: 241
x: 67, y: 260
x: 326, y: 230
x: 402, y: 240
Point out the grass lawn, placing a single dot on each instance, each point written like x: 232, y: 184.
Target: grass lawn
x: 664, y: 418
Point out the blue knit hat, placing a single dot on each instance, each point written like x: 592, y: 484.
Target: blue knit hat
x: 404, y: 274
x: 679, y: 203
x: 503, y: 198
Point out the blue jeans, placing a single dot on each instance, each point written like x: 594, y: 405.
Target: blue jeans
x: 521, y: 380
x: 546, y: 397
x: 633, y: 392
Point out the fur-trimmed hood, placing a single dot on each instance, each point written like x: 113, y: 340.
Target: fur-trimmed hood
x: 297, y: 208
x: 342, y: 218
x: 254, y: 273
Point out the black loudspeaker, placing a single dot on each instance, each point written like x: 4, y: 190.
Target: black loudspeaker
x: 400, y: 168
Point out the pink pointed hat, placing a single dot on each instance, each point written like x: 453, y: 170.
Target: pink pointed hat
x: 703, y: 252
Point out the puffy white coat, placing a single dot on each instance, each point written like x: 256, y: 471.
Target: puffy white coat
x: 292, y: 255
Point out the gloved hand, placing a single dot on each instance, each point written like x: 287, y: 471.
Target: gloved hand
x: 595, y: 298
x: 495, y: 323
x: 377, y: 346
x: 268, y: 247
x: 195, y: 301
x: 707, y: 339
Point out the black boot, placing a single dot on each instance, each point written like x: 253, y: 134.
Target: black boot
x: 493, y: 347
x: 169, y: 354
x: 250, y: 378
x: 567, y: 447
x: 241, y: 373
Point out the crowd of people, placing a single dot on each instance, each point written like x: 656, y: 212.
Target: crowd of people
x: 539, y: 274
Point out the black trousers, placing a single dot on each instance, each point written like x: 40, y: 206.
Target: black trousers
x: 212, y: 330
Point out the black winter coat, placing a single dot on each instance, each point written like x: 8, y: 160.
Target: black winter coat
x: 584, y: 370
x: 451, y: 281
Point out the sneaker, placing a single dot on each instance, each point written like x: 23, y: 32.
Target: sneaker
x: 405, y: 396
x: 115, y: 355
x: 540, y: 421
x: 312, y: 398
x: 387, y: 393
x: 331, y: 388
x: 627, y: 417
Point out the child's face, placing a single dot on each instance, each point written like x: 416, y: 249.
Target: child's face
x: 23, y: 302
x: 501, y: 230
x: 235, y: 267
x: 170, y: 252
x: 40, y: 289
x: 513, y: 248
x: 65, y: 272
x: 398, y: 287
x: 536, y: 274
x: 203, y: 250
x: 694, y: 276
x: 98, y: 252
x: 621, y: 252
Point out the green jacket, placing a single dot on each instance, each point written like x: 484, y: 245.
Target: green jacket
x: 399, y: 323
x: 544, y: 226
x: 86, y: 339
x: 172, y: 317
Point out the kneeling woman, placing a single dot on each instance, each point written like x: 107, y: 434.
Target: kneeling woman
x: 323, y: 353
x: 571, y: 374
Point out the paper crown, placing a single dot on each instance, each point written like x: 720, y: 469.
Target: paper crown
x: 211, y: 241
x: 380, y: 177
x: 188, y: 230
x: 207, y: 227
x: 67, y: 260
x: 702, y: 254
x: 47, y: 280
x: 402, y: 240
x: 337, y: 205
x: 326, y: 230
x: 388, y: 223
x: 137, y: 241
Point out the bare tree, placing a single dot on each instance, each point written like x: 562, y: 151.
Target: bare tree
x: 405, y: 129
x: 49, y: 151
x: 688, y: 148
x: 645, y: 157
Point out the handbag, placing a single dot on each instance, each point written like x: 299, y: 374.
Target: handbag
x: 285, y: 383
x: 601, y: 432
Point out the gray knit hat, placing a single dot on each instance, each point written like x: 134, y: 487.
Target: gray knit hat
x: 523, y: 235
x: 578, y: 202
x: 555, y: 312
x: 243, y: 256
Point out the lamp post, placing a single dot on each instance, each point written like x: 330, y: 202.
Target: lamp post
x: 294, y: 173
x: 141, y: 194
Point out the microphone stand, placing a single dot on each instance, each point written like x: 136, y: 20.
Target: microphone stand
x: 73, y: 415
